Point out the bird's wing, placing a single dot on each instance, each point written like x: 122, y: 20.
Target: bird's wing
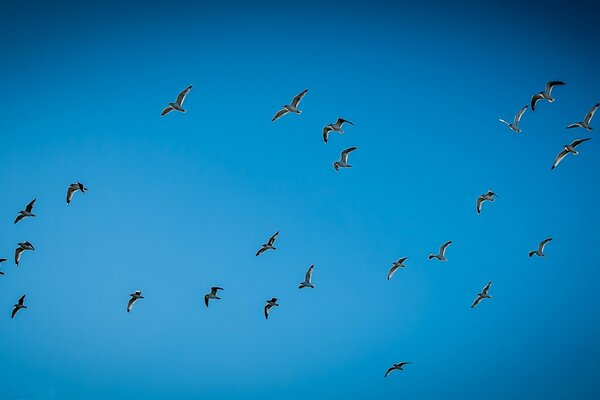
x: 70, y: 191
x: 21, y: 300
x: 392, y: 271
x: 14, y: 311
x: 345, y: 153
x: 19, y: 217
x: 267, y: 308
x: 260, y: 251
x: 18, y: 252
x: 590, y: 114
x: 206, y: 300
x: 551, y: 85
x: 504, y: 122
x: 167, y: 110
x: 130, y: 303
x: 273, y: 238
x: 279, y: 114
x: 480, y: 201
x: 534, y: 99
x: 309, y: 273
x: 520, y: 114
x: 559, y: 158
x: 444, y: 246
x: 477, y: 300
x: 296, y: 100
x: 579, y: 141
x: 341, y: 121
x: 543, y: 244
x: 575, y: 125
x: 29, y: 206
x: 326, y: 131
x: 486, y: 288
x: 388, y: 371
x: 181, y: 96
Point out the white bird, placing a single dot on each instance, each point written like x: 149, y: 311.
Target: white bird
x: 483, y: 295
x: 26, y: 212
x: 399, y: 367
x: 1, y: 261
x: 395, y: 266
x: 292, y: 107
x: 18, y: 306
x: 134, y: 297
x: 73, y: 187
x: 21, y: 248
x: 540, y: 251
x: 268, y: 245
x: 441, y: 256
x: 307, y: 279
x: 178, y: 105
x: 335, y: 127
x: 212, y: 294
x: 343, y: 163
x: 546, y: 94
x: 270, y: 303
x: 489, y: 196
x: 586, y: 121
x: 515, y: 125
x: 568, y: 148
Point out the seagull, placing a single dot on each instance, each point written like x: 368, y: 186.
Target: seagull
x: 441, y: 256
x: 586, y: 121
x: 1, y: 261
x: 270, y: 303
x: 134, y: 297
x: 212, y: 294
x: 515, y: 125
x: 568, y: 148
x: 21, y: 248
x: 336, y: 127
x: 292, y: 107
x: 26, y: 212
x: 307, y: 278
x: 398, y: 366
x: 178, y: 105
x: 546, y: 94
x: 18, y: 306
x: 540, y: 251
x: 489, y: 196
x: 73, y: 187
x: 343, y: 163
x: 268, y: 245
x: 395, y: 266
x: 483, y: 295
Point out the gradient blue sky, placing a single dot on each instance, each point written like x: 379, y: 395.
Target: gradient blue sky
x: 181, y: 203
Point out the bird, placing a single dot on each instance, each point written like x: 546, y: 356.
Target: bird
x: 343, y: 163
x: 178, y: 105
x: 21, y: 247
x: 568, y: 148
x: 270, y: 303
x: 335, y: 127
x: 395, y: 266
x: 540, y: 251
x: 399, y: 367
x: 212, y: 294
x: 515, y: 125
x: 134, y: 297
x: 26, y: 212
x: 307, y: 278
x: 18, y: 306
x: 489, y: 196
x: 586, y: 121
x: 268, y: 245
x: 483, y: 295
x: 441, y: 256
x: 73, y: 187
x: 1, y: 261
x: 292, y: 107
x: 546, y: 94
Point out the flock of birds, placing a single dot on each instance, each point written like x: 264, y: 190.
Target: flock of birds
x: 490, y: 196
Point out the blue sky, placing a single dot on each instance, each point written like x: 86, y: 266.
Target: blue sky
x: 180, y: 203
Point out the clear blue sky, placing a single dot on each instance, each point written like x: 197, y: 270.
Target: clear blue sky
x: 180, y: 203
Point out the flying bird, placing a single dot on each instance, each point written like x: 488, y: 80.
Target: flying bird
x: 441, y: 256
x: 270, y: 303
x: 399, y: 367
x: 395, y: 266
x: 18, y: 306
x: 268, y: 245
x: 21, y: 248
x: 178, y: 105
x: 489, y: 196
x: 26, y: 212
x: 515, y: 125
x: 292, y: 107
x: 540, y: 251
x: 546, y: 94
x: 568, y: 148
x: 307, y: 278
x: 483, y: 295
x: 335, y: 127
x: 586, y: 121
x: 134, y: 297
x: 1, y: 261
x: 212, y: 294
x: 73, y: 187
x: 343, y: 163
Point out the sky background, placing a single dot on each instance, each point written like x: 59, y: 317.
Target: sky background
x: 180, y: 203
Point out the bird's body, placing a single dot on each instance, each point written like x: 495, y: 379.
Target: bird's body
x: 335, y: 127
x: 399, y: 367
x: 307, y: 283
x: 395, y: 266
x: 268, y: 245
x: 27, y: 212
x: 18, y: 306
x: 212, y: 294
x: 546, y: 94
x: 73, y: 187
x: 515, y: 125
x: 177, y: 105
x: 270, y: 304
x: 586, y: 121
x: 343, y: 163
x: 489, y: 196
x: 21, y: 247
x: 483, y: 295
x: 290, y: 108
x: 540, y: 251
x: 568, y: 149
x: 135, y: 296
x: 442, y: 254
